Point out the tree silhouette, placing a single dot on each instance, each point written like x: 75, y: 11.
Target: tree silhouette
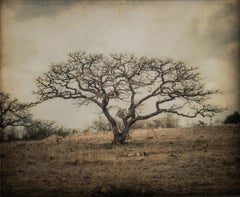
x: 13, y: 113
x: 133, y: 88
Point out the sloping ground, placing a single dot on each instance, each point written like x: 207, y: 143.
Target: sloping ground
x: 194, y: 161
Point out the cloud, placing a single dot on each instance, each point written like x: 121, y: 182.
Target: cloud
x: 215, y: 36
x: 221, y: 31
x: 26, y: 9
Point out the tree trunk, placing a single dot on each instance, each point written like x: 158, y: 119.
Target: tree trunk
x: 119, y: 138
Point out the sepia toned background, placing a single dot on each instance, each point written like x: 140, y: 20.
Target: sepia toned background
x: 35, y: 34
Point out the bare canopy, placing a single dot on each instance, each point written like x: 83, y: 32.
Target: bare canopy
x: 128, y: 83
x: 13, y: 113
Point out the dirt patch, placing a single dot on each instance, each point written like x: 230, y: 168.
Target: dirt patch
x: 194, y: 161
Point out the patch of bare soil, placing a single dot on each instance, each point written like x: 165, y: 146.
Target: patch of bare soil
x: 162, y: 162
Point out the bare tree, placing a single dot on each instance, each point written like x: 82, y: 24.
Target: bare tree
x: 130, y: 84
x: 13, y: 113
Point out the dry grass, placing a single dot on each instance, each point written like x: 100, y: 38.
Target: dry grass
x: 194, y: 161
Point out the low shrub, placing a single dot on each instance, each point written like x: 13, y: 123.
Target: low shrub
x: 41, y: 129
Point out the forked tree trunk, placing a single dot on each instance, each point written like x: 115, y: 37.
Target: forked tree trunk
x: 118, y: 138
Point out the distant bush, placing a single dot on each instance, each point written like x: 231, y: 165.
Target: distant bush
x: 201, y: 123
x: 41, y: 129
x: 233, y: 118
x: 63, y: 132
x: 100, y: 124
x: 139, y: 125
x: 168, y: 121
x: 10, y: 133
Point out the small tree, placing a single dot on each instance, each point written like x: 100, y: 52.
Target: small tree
x: 13, y: 113
x: 129, y: 83
x: 233, y: 118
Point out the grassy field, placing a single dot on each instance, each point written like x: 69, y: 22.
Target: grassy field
x: 187, y: 161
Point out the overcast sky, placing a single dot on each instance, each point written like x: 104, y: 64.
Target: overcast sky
x: 36, y: 34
